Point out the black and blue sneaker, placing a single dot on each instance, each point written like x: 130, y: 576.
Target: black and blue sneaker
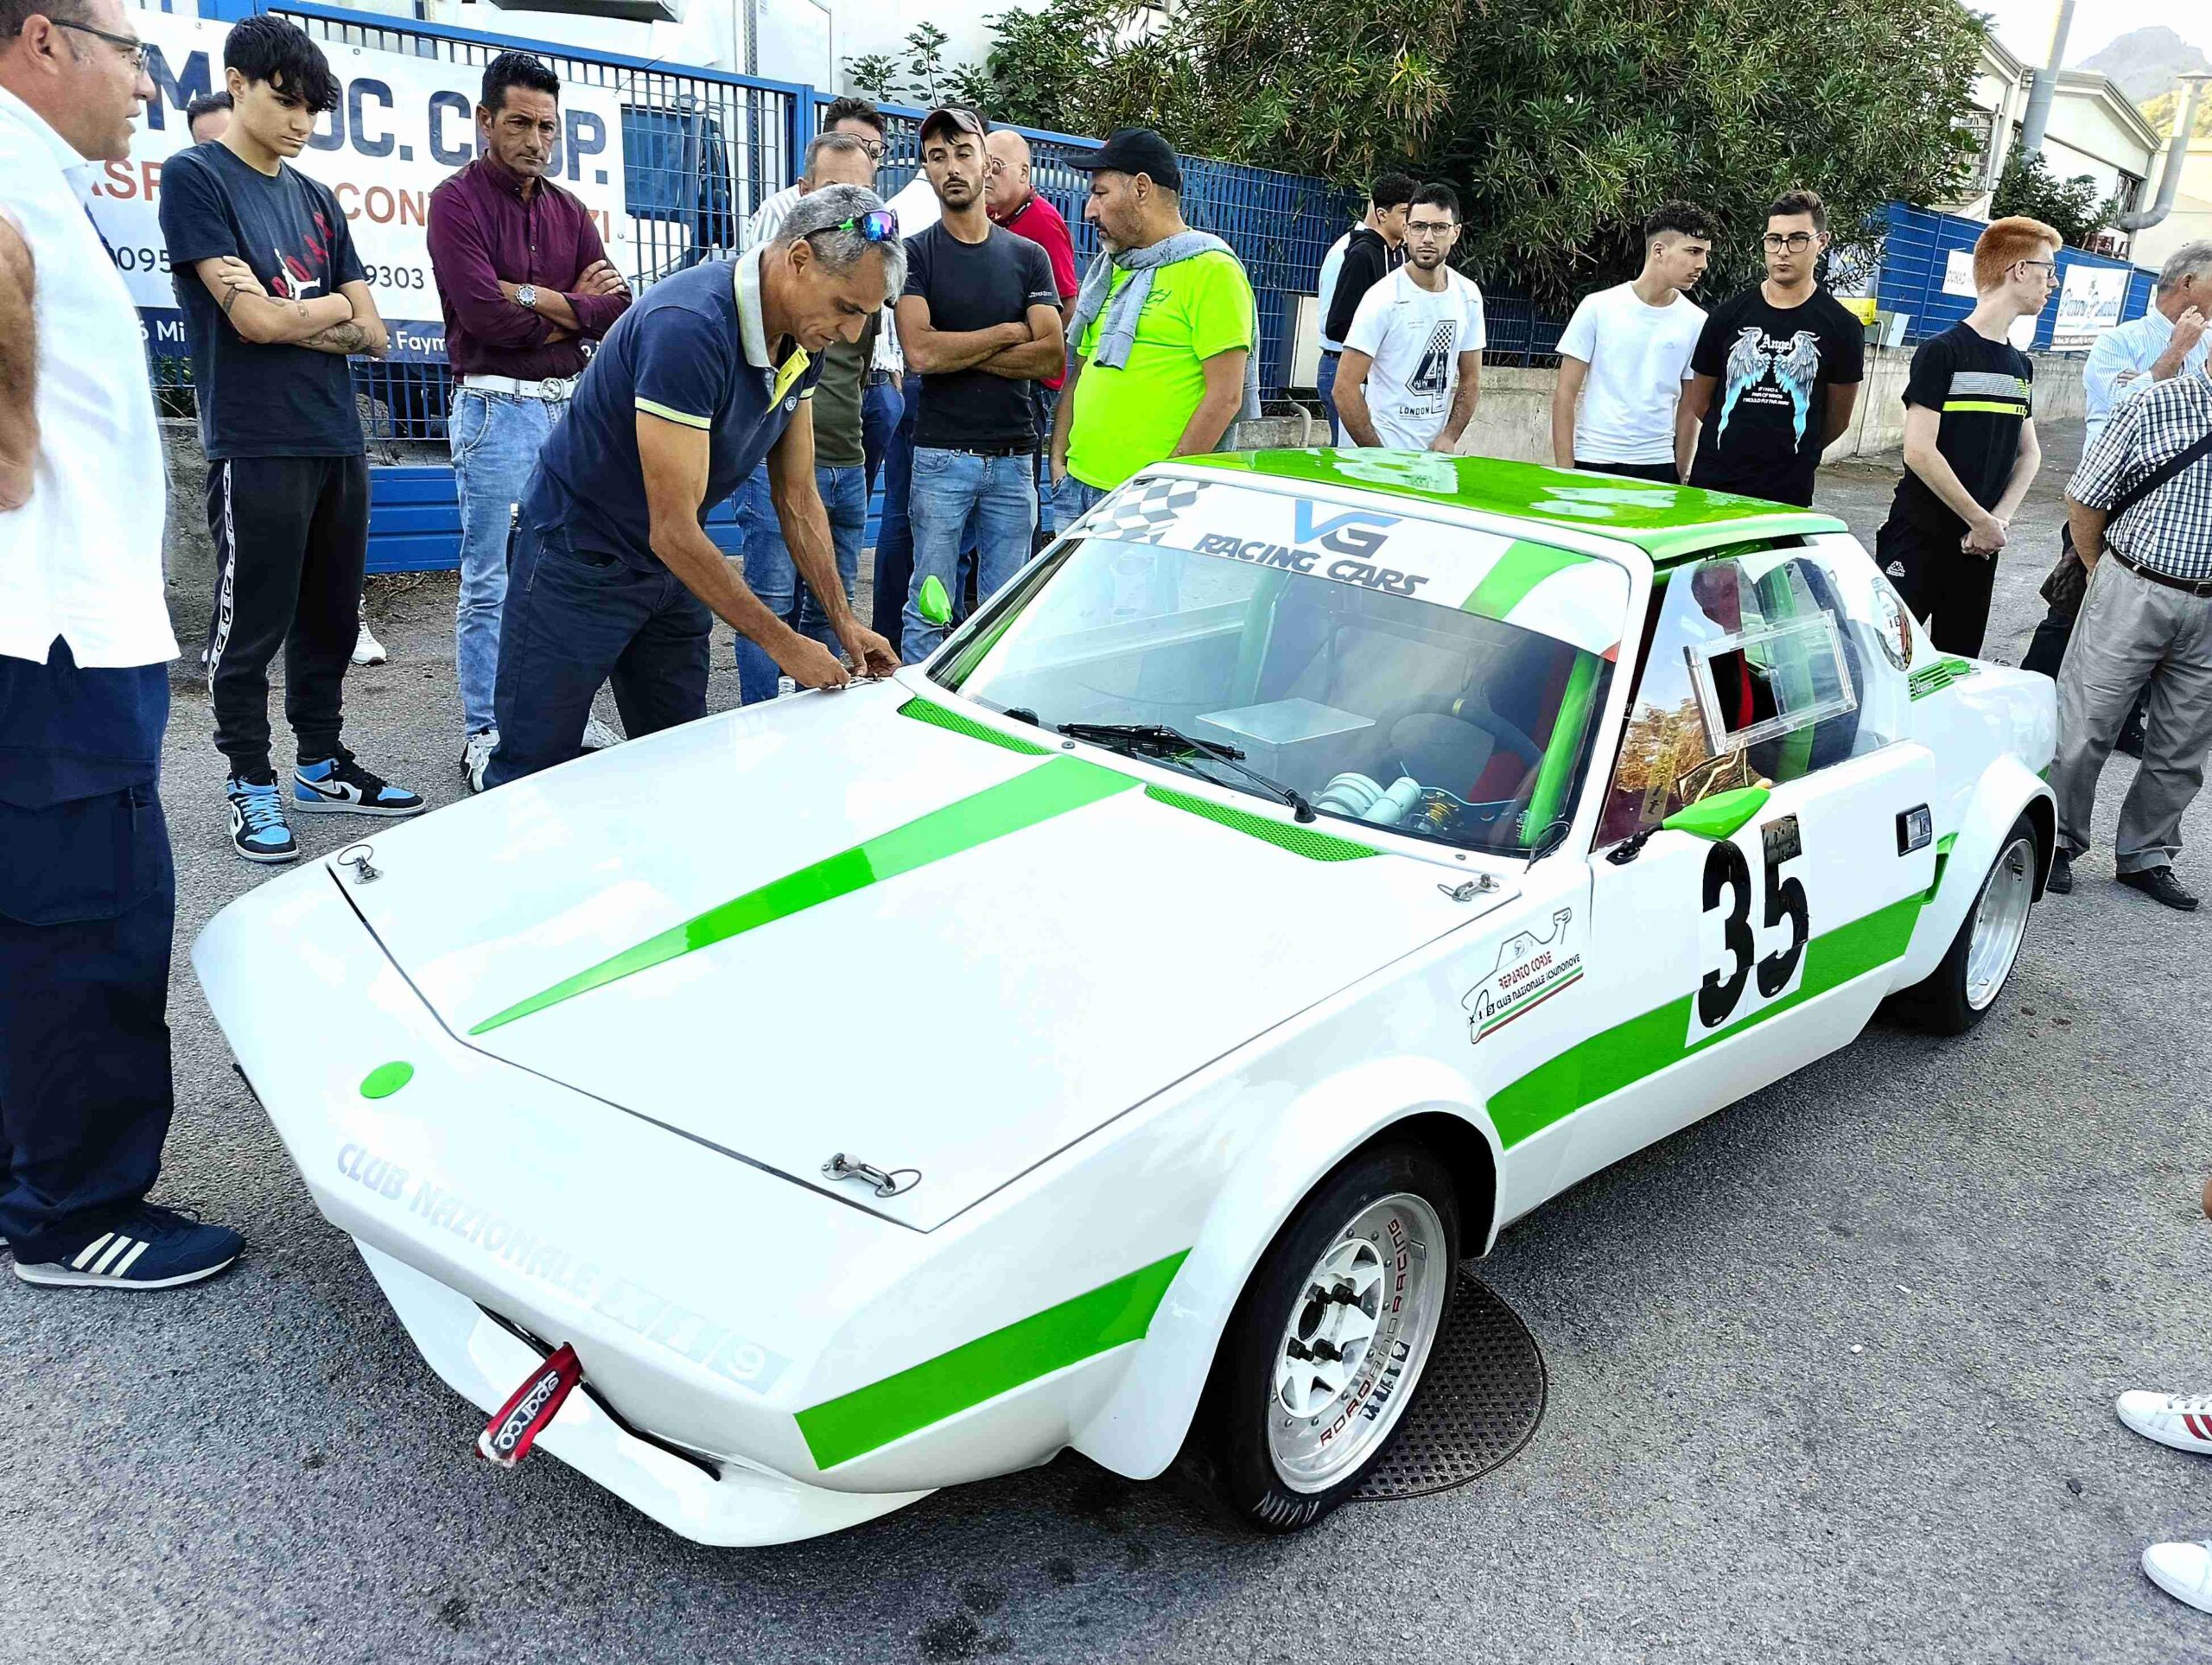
x: 150, y: 1248
x: 341, y: 786
x: 257, y: 828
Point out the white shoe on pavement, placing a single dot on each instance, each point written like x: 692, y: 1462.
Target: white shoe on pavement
x: 366, y: 649
x: 598, y: 736
x: 2184, y: 1570
x: 2181, y: 1420
x: 476, y: 756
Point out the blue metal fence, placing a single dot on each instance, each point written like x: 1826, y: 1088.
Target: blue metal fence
x: 1917, y: 245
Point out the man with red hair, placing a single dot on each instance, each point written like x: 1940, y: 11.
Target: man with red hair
x: 1970, y: 450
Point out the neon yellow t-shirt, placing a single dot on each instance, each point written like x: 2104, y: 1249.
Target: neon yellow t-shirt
x: 1130, y: 418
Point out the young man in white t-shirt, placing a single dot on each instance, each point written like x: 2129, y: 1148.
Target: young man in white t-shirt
x: 1625, y: 355
x: 1413, y: 360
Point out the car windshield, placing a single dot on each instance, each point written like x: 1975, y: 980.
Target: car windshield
x: 1400, y: 672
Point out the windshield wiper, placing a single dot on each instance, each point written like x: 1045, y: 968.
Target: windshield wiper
x: 1156, y: 740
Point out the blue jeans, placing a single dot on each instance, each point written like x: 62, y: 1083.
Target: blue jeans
x: 894, y: 536
x: 882, y: 408
x: 496, y: 438
x: 1001, y: 492
x: 772, y: 576
x: 1324, y: 384
x: 575, y: 618
x: 1073, y: 499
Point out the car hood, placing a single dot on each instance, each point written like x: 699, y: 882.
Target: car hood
x: 858, y: 923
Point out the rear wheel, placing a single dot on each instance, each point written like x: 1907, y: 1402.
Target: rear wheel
x: 1964, y: 988
x: 1329, y: 1342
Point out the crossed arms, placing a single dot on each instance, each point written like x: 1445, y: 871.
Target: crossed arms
x: 343, y: 323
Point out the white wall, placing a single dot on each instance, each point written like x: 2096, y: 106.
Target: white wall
x: 2191, y: 218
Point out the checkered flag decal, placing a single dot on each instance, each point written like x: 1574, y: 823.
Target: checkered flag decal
x: 1143, y: 516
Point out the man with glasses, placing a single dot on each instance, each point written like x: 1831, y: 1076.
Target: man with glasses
x: 1970, y: 450
x: 614, y: 576
x: 1412, y: 368
x: 88, y: 887
x: 1776, y: 374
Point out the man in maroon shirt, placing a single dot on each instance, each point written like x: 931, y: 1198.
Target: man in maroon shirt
x: 524, y: 284
x: 1012, y: 202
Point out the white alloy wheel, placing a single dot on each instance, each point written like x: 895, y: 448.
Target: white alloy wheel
x: 1355, y: 1341
x: 2001, y: 919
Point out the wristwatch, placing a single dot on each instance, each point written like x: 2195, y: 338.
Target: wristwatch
x: 526, y: 296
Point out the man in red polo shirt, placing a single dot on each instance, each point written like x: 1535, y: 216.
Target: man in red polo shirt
x: 1011, y: 201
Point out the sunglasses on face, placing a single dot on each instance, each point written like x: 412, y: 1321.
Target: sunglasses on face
x: 878, y: 226
x: 137, y: 49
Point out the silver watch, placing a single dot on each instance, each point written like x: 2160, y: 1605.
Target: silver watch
x: 526, y: 296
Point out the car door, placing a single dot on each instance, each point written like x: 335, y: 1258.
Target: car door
x: 1761, y: 853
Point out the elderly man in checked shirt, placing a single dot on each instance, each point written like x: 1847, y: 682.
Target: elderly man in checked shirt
x: 2146, y: 622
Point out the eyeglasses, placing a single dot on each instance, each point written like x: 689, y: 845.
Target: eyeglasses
x: 1795, y: 241
x: 2049, y: 268
x: 877, y: 225
x: 138, y: 49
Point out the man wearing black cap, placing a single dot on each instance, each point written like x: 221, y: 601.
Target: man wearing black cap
x: 1165, y: 328
x: 980, y: 318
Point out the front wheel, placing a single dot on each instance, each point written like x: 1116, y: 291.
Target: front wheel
x: 1329, y: 1342
x: 1961, y: 990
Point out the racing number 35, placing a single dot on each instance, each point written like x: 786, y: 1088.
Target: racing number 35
x: 1728, y: 874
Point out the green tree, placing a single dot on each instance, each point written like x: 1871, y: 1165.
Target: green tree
x: 1560, y: 122
x: 2069, y: 207
x: 924, y: 78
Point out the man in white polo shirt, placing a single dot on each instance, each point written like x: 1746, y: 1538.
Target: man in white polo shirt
x: 87, y: 891
x: 1625, y: 354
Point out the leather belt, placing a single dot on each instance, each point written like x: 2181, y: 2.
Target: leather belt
x: 552, y: 389
x: 1017, y: 448
x: 2183, y: 585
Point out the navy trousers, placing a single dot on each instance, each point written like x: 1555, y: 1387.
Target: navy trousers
x: 87, y: 909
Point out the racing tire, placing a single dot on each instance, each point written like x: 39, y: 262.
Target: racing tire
x: 1965, y: 988
x: 1331, y: 1282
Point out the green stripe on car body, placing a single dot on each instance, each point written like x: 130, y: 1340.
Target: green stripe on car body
x: 1624, y: 1054
x: 1052, y: 788
x: 929, y: 711
x: 1298, y: 841
x: 1934, y: 679
x: 1519, y: 569
x: 852, y: 1424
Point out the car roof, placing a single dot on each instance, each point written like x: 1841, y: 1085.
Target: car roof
x: 1668, y: 523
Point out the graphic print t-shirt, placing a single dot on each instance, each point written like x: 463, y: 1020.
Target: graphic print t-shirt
x: 1415, y: 340
x: 973, y: 286
x: 258, y: 401
x: 1762, y: 432
x: 1639, y: 357
x: 1980, y: 388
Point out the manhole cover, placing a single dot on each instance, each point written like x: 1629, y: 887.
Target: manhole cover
x: 1481, y: 1400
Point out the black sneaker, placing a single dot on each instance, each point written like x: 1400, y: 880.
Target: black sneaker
x: 2060, y: 882
x: 150, y: 1248
x: 2160, y: 886
x: 341, y: 785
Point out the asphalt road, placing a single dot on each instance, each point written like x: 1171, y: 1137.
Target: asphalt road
x: 1831, y: 1376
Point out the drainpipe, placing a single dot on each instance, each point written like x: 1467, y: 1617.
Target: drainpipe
x: 2045, y: 83
x: 2189, y: 89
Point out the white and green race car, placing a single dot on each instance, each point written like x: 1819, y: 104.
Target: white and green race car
x: 1114, y: 1033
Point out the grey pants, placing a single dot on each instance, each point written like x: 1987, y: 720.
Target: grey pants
x: 2133, y: 633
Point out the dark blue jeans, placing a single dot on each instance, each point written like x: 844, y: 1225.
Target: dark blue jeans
x: 575, y: 618
x: 882, y: 407
x: 1324, y: 384
x: 894, y: 536
x: 87, y: 909
x: 772, y: 575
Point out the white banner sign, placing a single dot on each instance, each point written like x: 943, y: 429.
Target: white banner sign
x: 1958, y: 273
x: 2089, y: 304
x: 402, y: 126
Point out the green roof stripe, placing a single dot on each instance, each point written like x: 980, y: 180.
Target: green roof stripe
x: 1052, y: 788
x: 1627, y: 1052
x: 852, y: 1424
x: 1520, y: 569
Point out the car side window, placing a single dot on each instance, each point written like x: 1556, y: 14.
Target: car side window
x: 1756, y: 674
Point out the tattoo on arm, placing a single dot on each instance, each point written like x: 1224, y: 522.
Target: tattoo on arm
x: 347, y: 338
x: 230, y: 299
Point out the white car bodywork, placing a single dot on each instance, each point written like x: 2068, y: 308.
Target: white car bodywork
x: 634, y: 1005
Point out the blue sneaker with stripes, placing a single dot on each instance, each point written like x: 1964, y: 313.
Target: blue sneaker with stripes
x: 341, y: 786
x: 150, y: 1248
x: 257, y: 828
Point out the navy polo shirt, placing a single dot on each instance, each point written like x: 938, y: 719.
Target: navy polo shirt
x: 691, y: 351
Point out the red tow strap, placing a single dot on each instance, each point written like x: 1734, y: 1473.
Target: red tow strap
x: 511, y: 1431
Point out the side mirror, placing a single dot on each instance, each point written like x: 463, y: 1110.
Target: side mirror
x: 1719, y: 815
x: 932, y: 603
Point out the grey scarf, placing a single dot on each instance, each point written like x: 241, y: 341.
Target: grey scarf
x: 1117, y: 333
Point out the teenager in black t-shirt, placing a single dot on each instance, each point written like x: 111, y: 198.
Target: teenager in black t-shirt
x: 1776, y: 374
x: 1970, y: 450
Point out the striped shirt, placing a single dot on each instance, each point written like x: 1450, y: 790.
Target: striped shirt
x: 2169, y: 531
x: 1979, y: 390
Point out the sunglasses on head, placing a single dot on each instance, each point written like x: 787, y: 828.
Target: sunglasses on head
x: 877, y: 225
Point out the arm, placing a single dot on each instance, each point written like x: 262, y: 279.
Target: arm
x: 1218, y: 405
x: 260, y: 317
x: 806, y: 534
x: 2188, y: 330
x: 1362, y: 271
x: 1351, y: 396
x: 552, y: 306
x: 1062, y: 422
x: 1572, y: 373
x: 1465, y: 398
x: 18, y: 369
x: 600, y: 294
x: 363, y: 332
x: 1040, y: 356
x: 1690, y: 417
x: 1985, y: 533
x: 934, y: 352
x: 461, y: 261
x: 2088, y: 526
x: 2025, y: 462
x: 1842, y: 401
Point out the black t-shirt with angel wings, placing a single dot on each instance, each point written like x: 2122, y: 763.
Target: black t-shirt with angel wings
x: 1762, y: 432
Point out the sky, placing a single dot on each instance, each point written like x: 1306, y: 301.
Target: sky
x: 2025, y: 25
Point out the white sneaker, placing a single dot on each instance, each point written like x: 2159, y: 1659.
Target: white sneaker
x: 366, y: 649
x: 2184, y: 1570
x: 598, y: 736
x: 476, y: 757
x: 2183, y: 1421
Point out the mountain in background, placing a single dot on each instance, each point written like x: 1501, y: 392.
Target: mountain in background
x: 2159, y: 113
x: 2143, y: 62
